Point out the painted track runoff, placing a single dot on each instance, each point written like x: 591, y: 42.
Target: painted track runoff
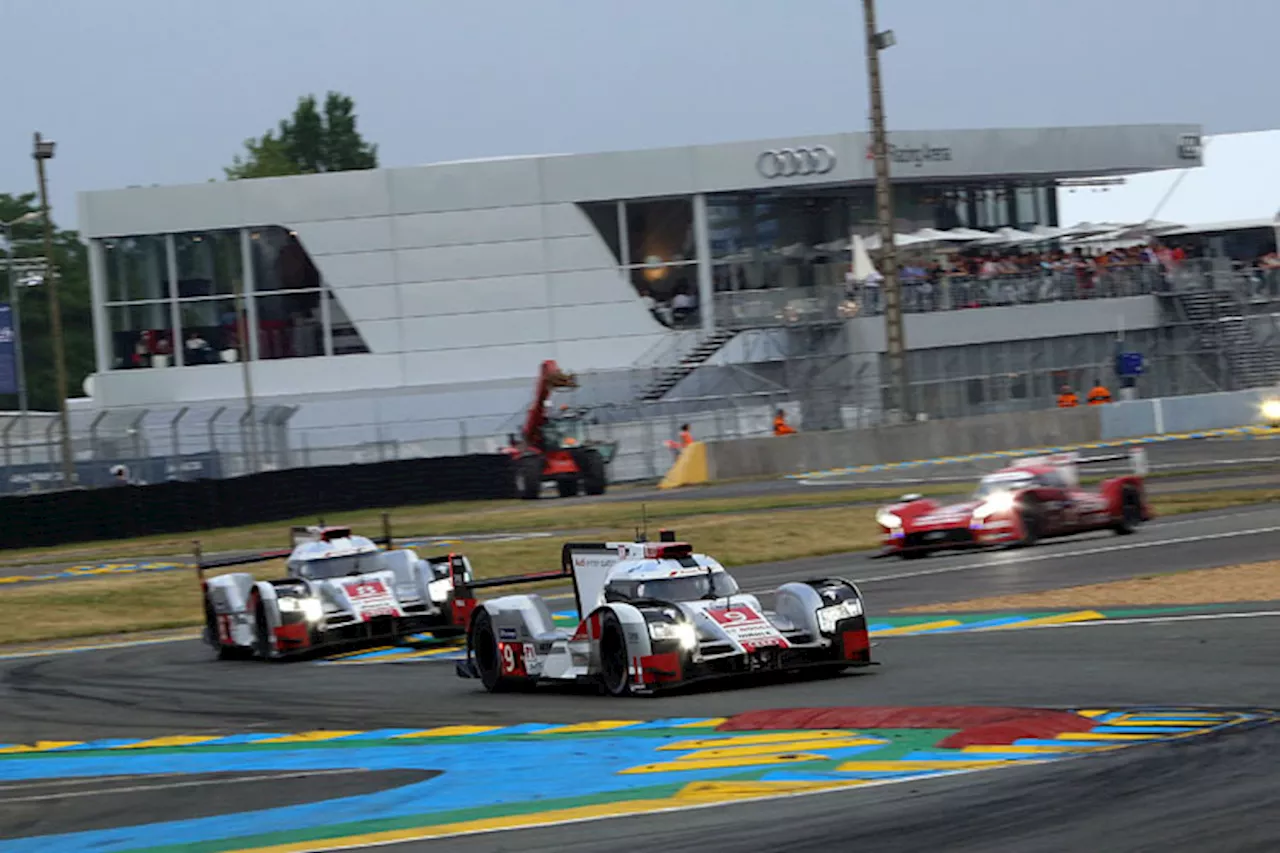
x: 1198, y: 667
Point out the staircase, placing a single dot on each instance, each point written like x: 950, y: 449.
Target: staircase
x: 1224, y: 328
x: 666, y: 377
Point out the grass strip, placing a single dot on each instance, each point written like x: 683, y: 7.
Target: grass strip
x: 134, y: 603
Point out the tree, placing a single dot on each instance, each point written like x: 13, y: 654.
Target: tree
x: 71, y: 259
x: 308, y: 143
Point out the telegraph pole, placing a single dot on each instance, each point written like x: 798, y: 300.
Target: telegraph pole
x: 41, y: 151
x: 895, y: 335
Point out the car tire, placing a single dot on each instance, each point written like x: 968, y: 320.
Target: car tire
x: 615, y: 666
x: 1030, y: 529
x: 211, y: 637
x: 1130, y: 513
x: 261, y: 628
x: 528, y: 477
x: 482, y: 647
x: 594, y: 481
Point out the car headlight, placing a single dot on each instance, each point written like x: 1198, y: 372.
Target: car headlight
x: 1271, y: 410
x: 683, y: 632
x: 310, y: 608
x: 999, y: 502
x: 884, y: 518
x: 829, y: 616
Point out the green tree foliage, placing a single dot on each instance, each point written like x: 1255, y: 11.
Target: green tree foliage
x: 71, y: 259
x: 307, y: 143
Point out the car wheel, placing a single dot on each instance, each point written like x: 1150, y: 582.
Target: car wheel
x: 615, y: 663
x: 1030, y: 529
x: 262, y: 644
x: 211, y: 636
x: 482, y: 645
x: 1130, y: 513
x: 567, y: 487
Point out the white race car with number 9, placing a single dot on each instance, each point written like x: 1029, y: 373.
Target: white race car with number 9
x: 655, y: 616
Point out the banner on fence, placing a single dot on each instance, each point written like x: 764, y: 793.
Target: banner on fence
x: 8, y: 364
x: 202, y: 466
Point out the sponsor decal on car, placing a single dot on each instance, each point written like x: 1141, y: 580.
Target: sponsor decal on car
x: 371, y: 598
x: 506, y: 633
x: 747, y: 627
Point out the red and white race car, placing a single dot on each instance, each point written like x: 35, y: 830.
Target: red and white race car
x: 1034, y: 498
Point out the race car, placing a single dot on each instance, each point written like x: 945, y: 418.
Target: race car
x: 341, y: 590
x: 656, y: 616
x: 1035, y: 498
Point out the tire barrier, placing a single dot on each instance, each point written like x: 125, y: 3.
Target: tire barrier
x: 127, y: 512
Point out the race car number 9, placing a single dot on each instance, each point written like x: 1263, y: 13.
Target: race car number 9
x: 512, y: 655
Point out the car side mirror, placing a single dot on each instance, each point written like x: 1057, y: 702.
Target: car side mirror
x: 906, y: 499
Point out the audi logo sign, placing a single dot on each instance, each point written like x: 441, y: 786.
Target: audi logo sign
x: 795, y: 162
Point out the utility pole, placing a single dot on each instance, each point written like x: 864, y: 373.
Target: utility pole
x: 895, y: 335
x: 43, y: 150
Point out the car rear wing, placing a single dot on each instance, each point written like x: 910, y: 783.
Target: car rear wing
x: 585, y: 565
x: 318, y: 532
x: 1068, y: 462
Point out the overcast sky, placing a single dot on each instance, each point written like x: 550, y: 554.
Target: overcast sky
x: 164, y: 91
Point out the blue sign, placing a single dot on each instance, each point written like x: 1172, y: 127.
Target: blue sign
x: 8, y: 366
x: 1129, y: 364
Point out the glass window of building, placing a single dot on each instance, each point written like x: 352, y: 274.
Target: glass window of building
x: 287, y: 294
x: 137, y: 291
x: 663, y: 258
x: 141, y: 335
x: 211, y: 331
x: 209, y: 263
x: 137, y: 269
x: 346, y: 337
x: 604, y: 218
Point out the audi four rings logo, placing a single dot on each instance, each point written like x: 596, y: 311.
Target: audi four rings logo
x: 793, y: 162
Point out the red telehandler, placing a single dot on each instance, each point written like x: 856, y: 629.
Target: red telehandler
x: 554, y: 446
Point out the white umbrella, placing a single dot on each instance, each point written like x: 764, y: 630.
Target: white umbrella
x: 963, y: 235
x: 1007, y: 236
x: 899, y: 240
x: 863, y: 269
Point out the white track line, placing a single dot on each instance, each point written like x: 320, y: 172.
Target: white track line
x: 133, y: 789
x: 1138, y: 620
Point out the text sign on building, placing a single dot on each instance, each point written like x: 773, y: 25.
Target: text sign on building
x: 8, y: 366
x: 914, y: 155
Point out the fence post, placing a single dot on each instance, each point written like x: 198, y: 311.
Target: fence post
x: 175, y: 440
x: 8, y: 458
x: 213, y: 437
x: 48, y: 445
x: 95, y: 449
x: 135, y: 433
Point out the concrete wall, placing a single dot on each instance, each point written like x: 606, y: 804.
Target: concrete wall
x: 1184, y: 414
x: 770, y: 456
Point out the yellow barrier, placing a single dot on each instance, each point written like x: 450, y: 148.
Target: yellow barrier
x: 690, y: 468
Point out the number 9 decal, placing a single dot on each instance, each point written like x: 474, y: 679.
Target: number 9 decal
x: 512, y: 659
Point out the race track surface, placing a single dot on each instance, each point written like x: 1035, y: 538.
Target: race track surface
x: 1219, y: 792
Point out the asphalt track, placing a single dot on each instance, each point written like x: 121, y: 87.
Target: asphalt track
x: 1218, y: 794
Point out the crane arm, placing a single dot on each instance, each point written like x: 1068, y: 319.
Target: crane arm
x: 550, y: 377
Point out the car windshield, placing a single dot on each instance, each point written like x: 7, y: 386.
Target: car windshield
x: 690, y: 588
x: 336, y: 567
x: 1001, y: 483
